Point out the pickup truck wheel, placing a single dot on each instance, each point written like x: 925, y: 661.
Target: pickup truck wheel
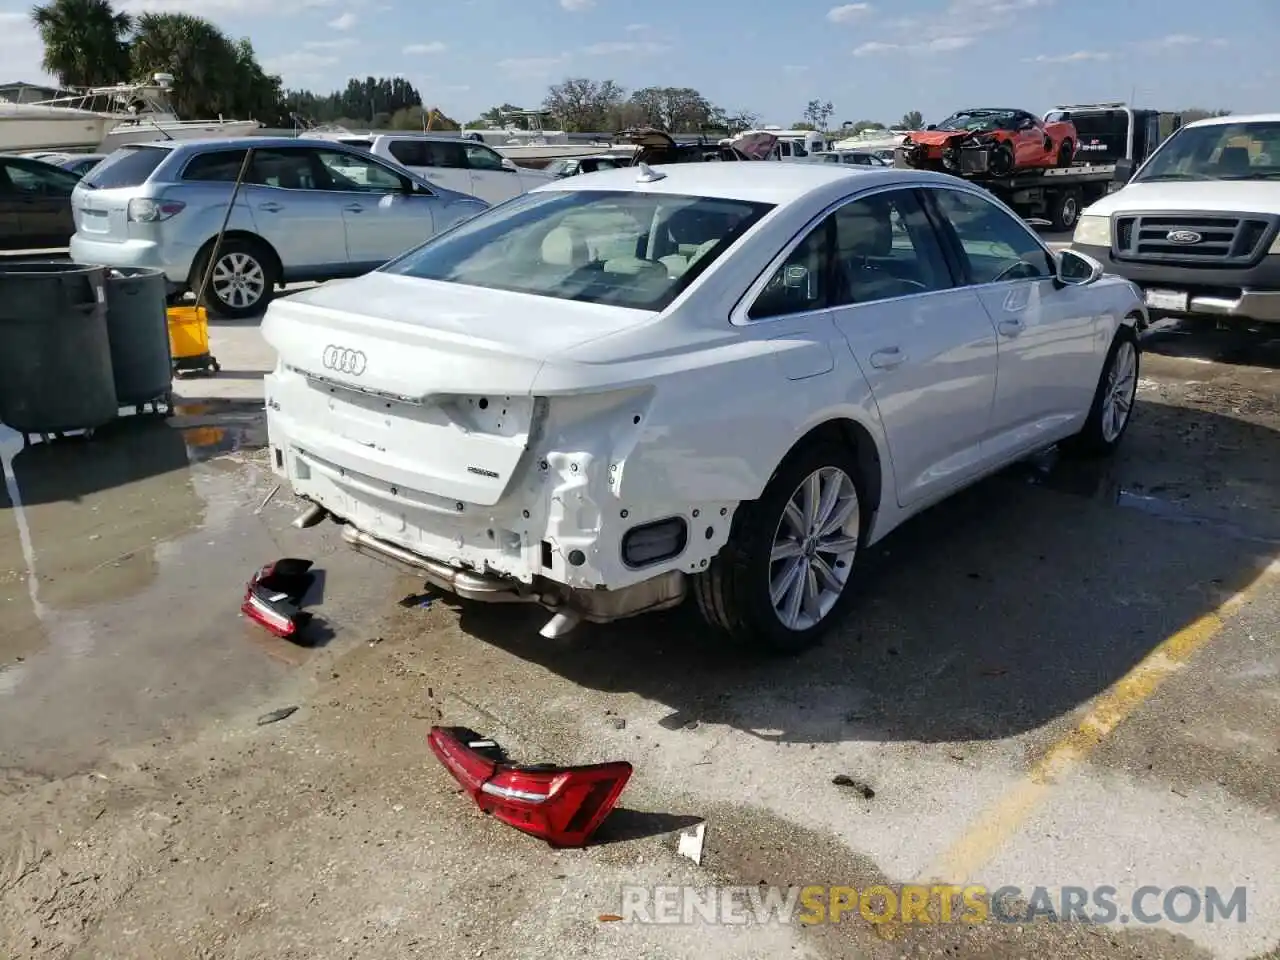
x: 243, y: 281
x: 1064, y: 211
x: 1113, y: 401
x: 783, y: 579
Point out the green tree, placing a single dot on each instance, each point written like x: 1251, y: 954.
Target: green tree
x: 912, y: 120
x: 818, y: 113
x: 85, y: 41
x: 581, y: 105
x: 676, y: 109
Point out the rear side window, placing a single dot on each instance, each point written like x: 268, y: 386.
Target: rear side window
x: 222, y: 166
x: 127, y: 167
x: 427, y: 153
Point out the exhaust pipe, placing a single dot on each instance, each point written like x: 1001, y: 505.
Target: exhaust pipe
x: 310, y: 517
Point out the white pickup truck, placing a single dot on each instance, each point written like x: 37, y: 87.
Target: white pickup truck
x: 1197, y: 226
x: 463, y: 165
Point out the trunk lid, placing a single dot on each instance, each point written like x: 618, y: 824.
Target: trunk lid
x: 101, y: 214
x: 421, y: 384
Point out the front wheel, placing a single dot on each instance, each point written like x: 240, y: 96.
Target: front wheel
x: 783, y: 578
x: 1113, y: 400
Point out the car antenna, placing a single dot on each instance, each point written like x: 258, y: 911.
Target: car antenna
x: 648, y: 175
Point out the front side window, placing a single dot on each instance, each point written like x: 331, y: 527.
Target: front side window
x: 1220, y: 151
x: 348, y: 172
x: 997, y: 247
x: 482, y: 158
x: 620, y: 248
x: 886, y: 248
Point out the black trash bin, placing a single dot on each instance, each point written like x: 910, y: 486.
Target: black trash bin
x: 55, y: 355
x: 138, y: 329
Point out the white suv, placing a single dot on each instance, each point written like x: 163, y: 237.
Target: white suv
x: 462, y: 165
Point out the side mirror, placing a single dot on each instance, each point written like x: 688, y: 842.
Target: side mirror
x: 1123, y: 172
x: 509, y: 165
x: 1078, y: 269
x: 932, y: 126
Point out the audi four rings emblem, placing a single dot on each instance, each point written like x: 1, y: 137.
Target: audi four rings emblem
x: 344, y: 360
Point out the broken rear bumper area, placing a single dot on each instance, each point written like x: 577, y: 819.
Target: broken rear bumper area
x: 569, y: 604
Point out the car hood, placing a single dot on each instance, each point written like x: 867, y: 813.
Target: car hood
x: 938, y: 138
x: 1192, y: 196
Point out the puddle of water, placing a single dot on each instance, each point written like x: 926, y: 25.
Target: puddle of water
x: 1098, y: 483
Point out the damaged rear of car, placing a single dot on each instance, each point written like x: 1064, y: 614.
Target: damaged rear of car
x: 656, y: 146
x: 434, y: 408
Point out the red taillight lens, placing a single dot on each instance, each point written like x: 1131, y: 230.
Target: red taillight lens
x: 562, y: 805
x: 273, y: 596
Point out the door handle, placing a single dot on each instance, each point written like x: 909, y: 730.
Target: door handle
x: 353, y: 208
x: 1011, y: 328
x: 888, y: 358
x: 270, y: 207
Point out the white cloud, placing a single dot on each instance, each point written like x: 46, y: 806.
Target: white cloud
x: 301, y: 65
x: 964, y: 18
x: 21, y: 49
x: 344, y: 21
x: 1080, y: 56
x: 574, y: 6
x: 848, y: 12
x: 532, y: 67
x: 1180, y: 41
x: 344, y: 44
x: 936, y: 45
x: 435, y: 46
x: 616, y: 48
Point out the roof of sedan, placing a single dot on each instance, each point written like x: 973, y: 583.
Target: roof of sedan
x: 765, y: 181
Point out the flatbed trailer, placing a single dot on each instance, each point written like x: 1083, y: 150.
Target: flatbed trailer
x: 1055, y: 196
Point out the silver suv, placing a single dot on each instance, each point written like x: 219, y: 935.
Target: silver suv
x: 306, y: 211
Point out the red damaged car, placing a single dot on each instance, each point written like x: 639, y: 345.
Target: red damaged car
x: 992, y: 141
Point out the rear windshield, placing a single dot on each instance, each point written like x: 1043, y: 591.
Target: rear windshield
x: 127, y: 167
x: 621, y: 248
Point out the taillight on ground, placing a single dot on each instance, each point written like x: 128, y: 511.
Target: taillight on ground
x: 273, y: 596
x: 562, y: 805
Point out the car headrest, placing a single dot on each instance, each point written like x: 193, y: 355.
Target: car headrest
x: 864, y: 231
x: 1234, y: 160
x: 565, y: 247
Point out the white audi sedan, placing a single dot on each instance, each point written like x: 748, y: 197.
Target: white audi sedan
x: 724, y: 380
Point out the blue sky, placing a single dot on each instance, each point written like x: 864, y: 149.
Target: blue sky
x: 873, y: 60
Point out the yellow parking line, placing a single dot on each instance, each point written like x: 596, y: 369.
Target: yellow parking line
x: 995, y: 826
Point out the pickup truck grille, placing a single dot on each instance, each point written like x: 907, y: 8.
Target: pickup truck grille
x: 1212, y: 240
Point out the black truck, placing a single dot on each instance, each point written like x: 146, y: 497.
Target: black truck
x: 1054, y: 196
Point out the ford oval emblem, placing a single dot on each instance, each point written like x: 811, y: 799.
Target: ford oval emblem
x: 1183, y: 236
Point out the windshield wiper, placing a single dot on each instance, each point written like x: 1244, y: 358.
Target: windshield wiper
x: 1174, y: 176
x: 1258, y: 175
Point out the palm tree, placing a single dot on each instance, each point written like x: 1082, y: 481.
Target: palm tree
x: 85, y: 41
x: 205, y: 64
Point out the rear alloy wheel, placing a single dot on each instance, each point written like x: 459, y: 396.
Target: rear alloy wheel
x: 783, y: 578
x: 242, y: 282
x: 1113, y: 400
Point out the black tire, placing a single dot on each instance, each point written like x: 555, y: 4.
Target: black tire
x: 733, y: 594
x: 260, y: 256
x: 1064, y: 210
x: 1094, y: 439
x: 1066, y: 153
